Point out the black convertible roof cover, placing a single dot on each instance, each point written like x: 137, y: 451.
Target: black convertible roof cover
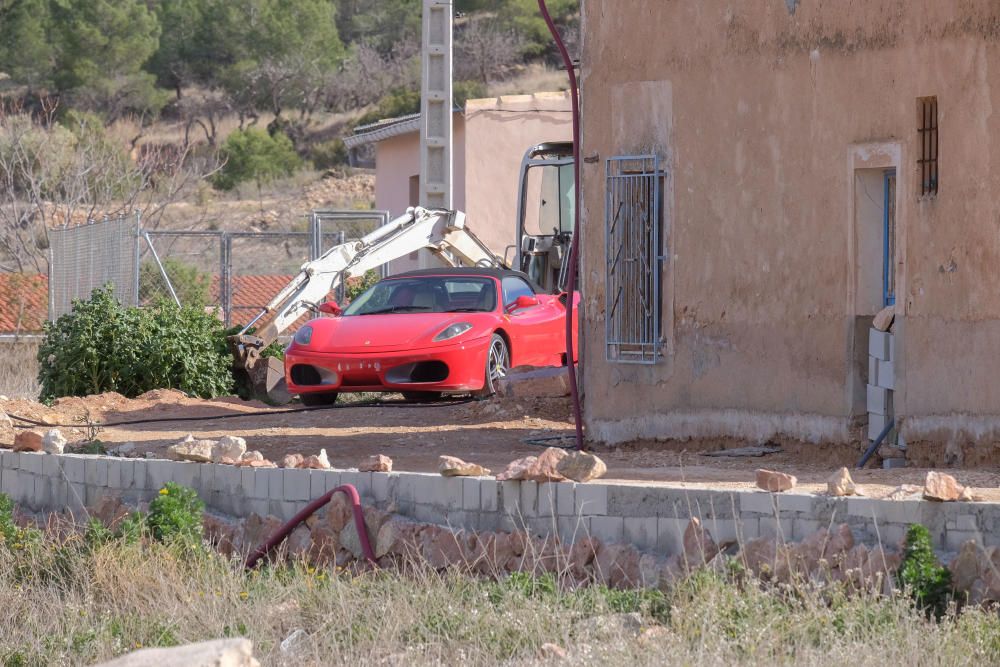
x: 490, y: 271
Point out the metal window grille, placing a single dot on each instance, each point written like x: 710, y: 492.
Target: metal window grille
x: 634, y: 260
x: 928, y: 134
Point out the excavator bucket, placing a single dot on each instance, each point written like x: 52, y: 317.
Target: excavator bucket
x: 264, y: 376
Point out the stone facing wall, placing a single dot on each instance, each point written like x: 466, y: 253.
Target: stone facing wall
x: 652, y: 518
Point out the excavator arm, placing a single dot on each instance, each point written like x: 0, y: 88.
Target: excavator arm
x: 441, y: 231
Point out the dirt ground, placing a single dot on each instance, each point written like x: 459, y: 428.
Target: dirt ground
x: 491, y: 433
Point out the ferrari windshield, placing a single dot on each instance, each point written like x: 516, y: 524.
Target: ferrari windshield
x: 427, y: 294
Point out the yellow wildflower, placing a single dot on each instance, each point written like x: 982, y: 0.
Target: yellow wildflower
x: 164, y: 492
x: 244, y: 595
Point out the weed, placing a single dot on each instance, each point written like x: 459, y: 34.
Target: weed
x: 920, y: 573
x: 175, y: 515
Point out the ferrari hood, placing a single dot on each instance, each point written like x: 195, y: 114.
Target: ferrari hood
x: 377, y: 333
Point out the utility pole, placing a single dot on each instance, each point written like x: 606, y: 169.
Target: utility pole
x: 436, y: 106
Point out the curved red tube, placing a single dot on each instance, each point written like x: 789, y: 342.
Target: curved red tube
x: 286, y: 530
x: 574, y: 245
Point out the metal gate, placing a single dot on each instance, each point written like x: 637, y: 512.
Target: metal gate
x: 634, y: 260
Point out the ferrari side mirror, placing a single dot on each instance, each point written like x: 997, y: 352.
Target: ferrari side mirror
x: 524, y: 301
x: 331, y: 308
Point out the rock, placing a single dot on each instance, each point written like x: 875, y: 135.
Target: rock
x: 252, y: 455
x: 840, y: 542
x: 617, y: 565
x: 54, y: 442
x: 581, y: 467
x: 28, y: 441
x: 109, y: 510
x: 440, y: 547
x: 966, y: 567
x: 397, y: 537
x: 452, y: 466
x: 229, y: 446
x: 699, y: 547
x: 292, y: 461
x: 317, y: 462
x: 841, y: 484
x: 299, y: 543
x: 213, y: 653
x: 770, y: 480
x: 942, y: 487
x: 339, y: 512
x: 124, y: 449
x: 517, y: 469
x: 541, y: 468
x: 582, y: 554
x: 529, y: 382
x: 904, y: 492
x: 759, y: 556
x: 883, y: 319
x: 376, y: 463
x: 349, y: 538
x: 190, y: 449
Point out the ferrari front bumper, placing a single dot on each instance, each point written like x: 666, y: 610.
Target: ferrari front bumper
x: 457, y: 367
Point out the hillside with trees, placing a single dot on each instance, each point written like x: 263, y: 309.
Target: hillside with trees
x: 233, y: 109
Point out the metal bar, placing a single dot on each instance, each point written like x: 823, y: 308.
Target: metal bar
x: 163, y: 271
x: 876, y: 444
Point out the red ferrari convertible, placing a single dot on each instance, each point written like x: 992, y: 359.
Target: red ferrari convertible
x: 428, y: 332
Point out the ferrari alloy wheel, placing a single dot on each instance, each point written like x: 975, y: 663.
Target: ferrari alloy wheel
x: 315, y: 400
x: 497, y: 363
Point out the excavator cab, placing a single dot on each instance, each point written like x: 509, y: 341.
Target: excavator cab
x: 545, y: 229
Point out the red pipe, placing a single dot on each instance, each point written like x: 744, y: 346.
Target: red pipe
x: 575, y: 243
x: 309, y: 510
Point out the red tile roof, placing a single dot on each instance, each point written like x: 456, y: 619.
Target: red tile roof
x: 24, y: 302
x: 24, y: 299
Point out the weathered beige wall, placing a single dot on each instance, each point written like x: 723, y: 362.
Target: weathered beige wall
x: 498, y: 133
x: 397, y: 159
x: 762, y: 115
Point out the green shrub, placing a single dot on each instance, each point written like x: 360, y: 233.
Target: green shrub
x: 328, y: 154
x: 927, y: 581
x: 176, y: 515
x: 354, y: 287
x: 192, y: 286
x: 103, y: 346
x: 254, y: 155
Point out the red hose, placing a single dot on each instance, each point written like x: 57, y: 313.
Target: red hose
x: 286, y: 530
x: 574, y: 244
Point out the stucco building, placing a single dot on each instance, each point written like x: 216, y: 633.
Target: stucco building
x: 785, y: 184
x: 490, y: 138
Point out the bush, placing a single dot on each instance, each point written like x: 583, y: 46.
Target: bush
x: 191, y: 285
x: 176, y: 515
x: 103, y: 346
x: 329, y: 154
x: 254, y: 155
x: 928, y: 582
x: 354, y: 287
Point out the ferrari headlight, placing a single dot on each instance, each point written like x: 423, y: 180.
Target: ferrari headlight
x: 303, y: 335
x: 453, y: 330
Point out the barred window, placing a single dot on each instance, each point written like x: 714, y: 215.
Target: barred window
x: 927, y: 131
x: 633, y: 229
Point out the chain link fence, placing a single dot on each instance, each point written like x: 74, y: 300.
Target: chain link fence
x: 234, y: 273
x: 86, y: 257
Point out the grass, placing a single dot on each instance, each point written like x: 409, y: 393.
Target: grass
x: 69, y: 603
x: 19, y: 368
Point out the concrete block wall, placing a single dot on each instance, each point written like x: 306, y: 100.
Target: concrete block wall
x: 650, y: 516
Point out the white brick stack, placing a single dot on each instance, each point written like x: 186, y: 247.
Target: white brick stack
x: 881, y: 380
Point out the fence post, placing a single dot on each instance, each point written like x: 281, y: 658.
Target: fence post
x: 226, y: 278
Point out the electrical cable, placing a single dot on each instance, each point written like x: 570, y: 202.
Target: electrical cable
x: 572, y: 258
x: 255, y: 413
